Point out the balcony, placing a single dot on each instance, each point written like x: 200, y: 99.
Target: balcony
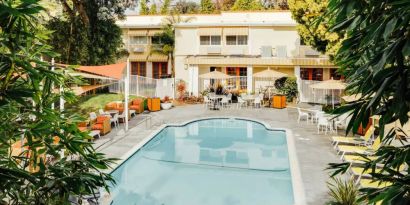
x: 309, y: 52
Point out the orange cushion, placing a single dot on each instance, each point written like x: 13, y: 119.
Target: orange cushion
x: 136, y: 101
x: 134, y: 107
x: 101, y: 119
x: 97, y: 127
x: 82, y: 124
x: 82, y: 129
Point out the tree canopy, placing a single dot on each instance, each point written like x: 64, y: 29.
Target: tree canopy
x: 51, y: 160
x: 186, y: 7
x: 165, y: 7
x: 375, y: 58
x: 247, y: 5
x: 144, y: 10
x: 207, y: 7
x: 317, y: 35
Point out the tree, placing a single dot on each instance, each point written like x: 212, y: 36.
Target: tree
x: 86, y: 33
x: 143, y: 7
x: 247, y: 5
x: 186, y: 7
x: 207, y: 7
x: 56, y: 161
x: 153, y: 9
x: 374, y: 57
x: 165, y: 7
x: 305, y: 12
x: 225, y: 5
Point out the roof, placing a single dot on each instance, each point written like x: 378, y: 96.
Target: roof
x: 112, y: 71
x: 271, y: 18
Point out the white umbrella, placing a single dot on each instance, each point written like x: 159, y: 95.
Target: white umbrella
x: 330, y: 85
x: 270, y: 74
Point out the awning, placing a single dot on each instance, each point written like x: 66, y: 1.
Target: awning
x: 113, y: 71
x: 88, y: 75
x: 210, y: 31
x: 236, y: 31
x: 83, y: 89
x: 138, y: 32
x: 153, y: 32
x: 157, y: 58
x: 138, y: 57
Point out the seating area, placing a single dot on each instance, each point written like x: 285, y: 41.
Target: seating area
x: 110, y: 117
x: 216, y: 102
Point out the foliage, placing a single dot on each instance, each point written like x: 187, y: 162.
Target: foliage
x: 165, y: 7
x: 375, y: 60
x: 279, y: 83
x: 207, y: 7
x: 247, y: 5
x: 219, y: 89
x: 225, y: 5
x: 45, y: 172
x: 166, y: 99
x: 181, y: 89
x: 289, y: 88
x: 143, y: 7
x: 343, y: 192
x: 153, y: 9
x: 306, y: 13
x: 186, y: 7
x: 84, y: 36
x: 275, y: 4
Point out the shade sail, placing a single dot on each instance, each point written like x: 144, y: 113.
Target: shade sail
x: 112, y: 71
x: 215, y: 75
x: 329, y: 85
x: 83, y: 89
x: 269, y: 74
x: 88, y: 75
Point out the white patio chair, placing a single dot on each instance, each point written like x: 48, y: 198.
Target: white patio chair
x: 316, y: 115
x: 342, y: 121
x: 229, y: 96
x: 224, y: 102
x: 102, y: 112
x: 207, y: 101
x: 323, y: 122
x: 257, y: 103
x: 93, y: 116
x: 115, y: 120
x: 241, y: 102
x: 122, y: 116
x: 302, y: 115
x: 261, y: 95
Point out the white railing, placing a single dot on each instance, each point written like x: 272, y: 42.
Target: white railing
x: 308, y: 94
x: 235, y: 83
x: 146, y: 87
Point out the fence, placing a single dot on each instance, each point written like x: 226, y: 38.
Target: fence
x: 144, y: 86
x: 235, y: 83
x: 308, y: 94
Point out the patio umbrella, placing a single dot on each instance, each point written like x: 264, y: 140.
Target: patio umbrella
x: 269, y: 74
x: 330, y: 85
x: 352, y: 98
x: 215, y: 75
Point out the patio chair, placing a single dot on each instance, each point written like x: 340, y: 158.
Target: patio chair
x: 354, y: 140
x: 122, y: 116
x: 207, y: 101
x: 241, y: 102
x: 323, y: 122
x: 229, y: 96
x: 102, y: 123
x: 316, y: 115
x: 302, y: 115
x: 224, y: 102
x: 115, y: 120
x: 257, y: 103
x: 137, y: 105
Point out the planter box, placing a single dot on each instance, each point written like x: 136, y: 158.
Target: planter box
x: 154, y: 104
x: 279, y: 101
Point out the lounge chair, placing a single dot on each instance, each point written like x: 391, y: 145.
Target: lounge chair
x: 354, y: 140
x: 360, y: 171
x: 359, y: 149
x: 357, y: 159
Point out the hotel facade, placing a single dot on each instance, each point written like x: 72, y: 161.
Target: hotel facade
x: 239, y: 44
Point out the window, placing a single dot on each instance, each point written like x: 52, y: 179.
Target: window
x: 139, y: 40
x: 210, y: 40
x: 215, y: 40
x: 230, y: 40
x: 242, y: 40
x: 159, y: 70
x: 138, y: 68
x: 311, y: 74
x: 335, y: 75
x: 240, y: 82
x: 204, y: 40
x: 237, y: 40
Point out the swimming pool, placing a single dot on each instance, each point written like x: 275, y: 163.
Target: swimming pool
x: 208, y: 162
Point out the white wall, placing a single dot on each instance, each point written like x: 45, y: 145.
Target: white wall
x: 186, y: 41
x: 273, y: 36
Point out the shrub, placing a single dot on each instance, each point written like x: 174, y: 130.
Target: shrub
x: 181, y: 89
x: 343, y: 192
x: 289, y: 88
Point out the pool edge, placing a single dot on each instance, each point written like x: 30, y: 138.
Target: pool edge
x: 297, y: 183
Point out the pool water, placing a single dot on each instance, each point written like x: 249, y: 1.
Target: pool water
x: 208, y: 162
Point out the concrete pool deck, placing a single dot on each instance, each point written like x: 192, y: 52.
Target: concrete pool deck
x: 313, y: 150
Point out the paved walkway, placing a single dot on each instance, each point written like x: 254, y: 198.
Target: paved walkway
x: 313, y: 150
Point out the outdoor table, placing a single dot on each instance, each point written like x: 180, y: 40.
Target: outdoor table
x: 113, y: 112
x: 215, y: 99
x: 249, y: 99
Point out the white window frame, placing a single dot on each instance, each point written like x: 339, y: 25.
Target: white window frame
x: 236, y: 40
x: 133, y: 43
x: 210, y: 38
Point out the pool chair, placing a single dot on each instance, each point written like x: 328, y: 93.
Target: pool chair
x: 302, y: 115
x: 354, y: 140
x: 360, y: 172
x: 359, y: 149
x: 370, y: 183
x: 357, y: 159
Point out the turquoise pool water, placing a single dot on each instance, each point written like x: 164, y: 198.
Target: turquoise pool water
x: 208, y: 162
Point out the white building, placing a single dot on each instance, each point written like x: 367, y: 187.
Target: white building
x: 236, y: 43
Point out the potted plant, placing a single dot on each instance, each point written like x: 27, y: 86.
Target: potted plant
x: 166, y: 103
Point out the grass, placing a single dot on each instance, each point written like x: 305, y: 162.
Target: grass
x: 92, y: 103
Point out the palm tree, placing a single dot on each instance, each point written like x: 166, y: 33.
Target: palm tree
x: 166, y: 39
